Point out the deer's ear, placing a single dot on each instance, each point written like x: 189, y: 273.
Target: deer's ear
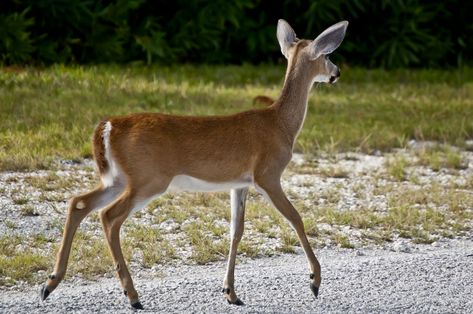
x: 286, y: 37
x: 328, y: 40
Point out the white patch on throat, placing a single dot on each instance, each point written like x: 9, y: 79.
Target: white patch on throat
x: 321, y: 78
x: 182, y: 183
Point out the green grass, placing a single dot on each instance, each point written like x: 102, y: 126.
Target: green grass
x: 51, y: 182
x: 205, y: 249
x: 89, y: 256
x: 289, y: 240
x: 441, y: 156
x: 156, y: 249
x: 19, y: 261
x: 50, y: 113
x: 29, y: 210
x: 396, y: 168
x: 343, y: 241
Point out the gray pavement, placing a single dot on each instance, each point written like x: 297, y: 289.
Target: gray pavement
x: 427, y: 279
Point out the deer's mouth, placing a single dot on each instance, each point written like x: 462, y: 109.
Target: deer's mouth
x: 333, y: 79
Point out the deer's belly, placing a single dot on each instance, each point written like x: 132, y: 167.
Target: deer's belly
x: 186, y: 183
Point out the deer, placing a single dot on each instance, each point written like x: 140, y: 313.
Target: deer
x: 141, y: 156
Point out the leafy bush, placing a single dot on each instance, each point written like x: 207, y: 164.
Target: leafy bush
x: 16, y: 45
x: 388, y: 33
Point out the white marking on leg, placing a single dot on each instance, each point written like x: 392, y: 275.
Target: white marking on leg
x: 234, y: 214
x: 237, y: 198
x: 80, y: 205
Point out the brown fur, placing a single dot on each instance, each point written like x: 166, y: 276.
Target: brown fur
x: 173, y: 145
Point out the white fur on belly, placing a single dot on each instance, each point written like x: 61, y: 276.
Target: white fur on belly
x: 190, y: 184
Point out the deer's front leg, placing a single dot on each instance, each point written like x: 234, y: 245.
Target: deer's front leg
x: 238, y: 199
x: 272, y: 188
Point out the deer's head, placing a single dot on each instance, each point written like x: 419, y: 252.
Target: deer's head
x: 312, y: 55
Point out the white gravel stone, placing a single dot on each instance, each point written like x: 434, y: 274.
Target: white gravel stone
x: 401, y: 246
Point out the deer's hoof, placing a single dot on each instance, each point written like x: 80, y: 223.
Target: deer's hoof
x: 315, y: 290
x: 137, y: 305
x: 44, y: 292
x: 236, y: 302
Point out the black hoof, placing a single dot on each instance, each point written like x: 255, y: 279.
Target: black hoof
x: 315, y: 289
x: 137, y: 306
x: 237, y: 302
x: 44, y: 293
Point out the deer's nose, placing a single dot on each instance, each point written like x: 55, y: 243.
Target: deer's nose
x: 334, y: 78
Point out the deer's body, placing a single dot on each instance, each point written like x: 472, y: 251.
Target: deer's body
x: 164, y: 147
x: 141, y: 156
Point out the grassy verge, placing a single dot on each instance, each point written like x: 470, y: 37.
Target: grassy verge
x: 50, y: 113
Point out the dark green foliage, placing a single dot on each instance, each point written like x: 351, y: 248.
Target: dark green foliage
x: 388, y: 33
x: 16, y: 45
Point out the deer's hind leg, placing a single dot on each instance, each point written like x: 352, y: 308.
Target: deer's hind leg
x: 79, y: 207
x: 112, y: 218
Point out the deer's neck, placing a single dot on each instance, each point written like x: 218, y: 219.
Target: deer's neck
x: 292, y: 104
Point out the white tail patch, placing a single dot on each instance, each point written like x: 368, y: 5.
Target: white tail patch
x: 114, y: 173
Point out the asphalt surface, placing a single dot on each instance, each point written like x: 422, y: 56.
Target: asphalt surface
x: 427, y: 279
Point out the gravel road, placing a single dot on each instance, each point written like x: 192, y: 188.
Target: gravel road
x: 428, y: 279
